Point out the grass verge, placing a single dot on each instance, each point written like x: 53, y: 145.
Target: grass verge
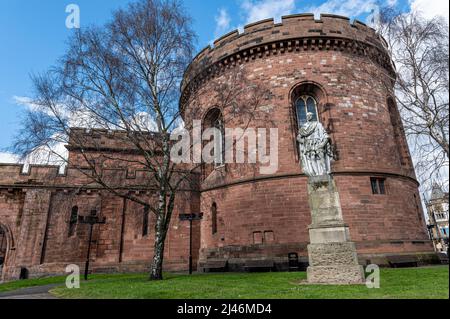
x: 408, y: 283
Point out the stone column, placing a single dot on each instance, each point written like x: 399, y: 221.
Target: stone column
x: 332, y: 255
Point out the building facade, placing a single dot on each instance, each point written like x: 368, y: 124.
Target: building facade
x: 337, y: 70
x: 437, y: 208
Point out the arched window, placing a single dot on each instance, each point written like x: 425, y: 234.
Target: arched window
x: 214, y: 119
x: 214, y: 218
x: 305, y: 104
x: 73, y: 220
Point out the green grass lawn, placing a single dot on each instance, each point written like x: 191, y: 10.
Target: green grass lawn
x: 427, y: 282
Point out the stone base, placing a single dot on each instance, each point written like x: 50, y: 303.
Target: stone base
x: 332, y: 254
x: 335, y: 254
x: 336, y: 274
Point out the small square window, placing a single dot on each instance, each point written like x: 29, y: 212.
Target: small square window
x: 257, y: 238
x: 378, y: 185
x: 268, y: 237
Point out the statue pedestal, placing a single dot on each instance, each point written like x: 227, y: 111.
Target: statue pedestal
x: 332, y: 256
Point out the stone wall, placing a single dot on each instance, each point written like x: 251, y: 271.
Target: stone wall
x: 35, y: 210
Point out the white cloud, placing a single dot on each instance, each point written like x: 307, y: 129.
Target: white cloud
x: 223, y: 21
x: 392, y: 3
x: 8, y: 158
x: 142, y: 121
x: 263, y: 9
x: 25, y: 101
x: 56, y: 156
x: 431, y: 8
x: 349, y: 8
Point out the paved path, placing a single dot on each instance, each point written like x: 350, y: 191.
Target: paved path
x: 40, y: 292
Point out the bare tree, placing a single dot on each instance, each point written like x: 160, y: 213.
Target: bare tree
x: 126, y: 77
x: 420, y: 51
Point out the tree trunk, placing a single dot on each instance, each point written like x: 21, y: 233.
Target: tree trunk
x: 156, y: 271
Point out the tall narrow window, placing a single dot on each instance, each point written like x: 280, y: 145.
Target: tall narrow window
x: 305, y: 104
x: 417, y: 207
x: 73, y: 220
x: 145, y: 221
x: 214, y: 119
x: 397, y: 126
x: 219, y: 140
x: 2, y: 246
x: 381, y: 186
x: 214, y: 218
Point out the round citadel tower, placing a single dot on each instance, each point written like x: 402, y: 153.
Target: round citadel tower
x: 342, y: 73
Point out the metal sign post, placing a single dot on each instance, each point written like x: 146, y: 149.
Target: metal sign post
x: 90, y: 220
x: 190, y: 218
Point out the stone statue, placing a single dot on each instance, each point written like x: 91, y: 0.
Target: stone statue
x: 315, y: 148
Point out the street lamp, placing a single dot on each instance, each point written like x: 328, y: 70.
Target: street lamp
x: 90, y: 220
x: 190, y: 218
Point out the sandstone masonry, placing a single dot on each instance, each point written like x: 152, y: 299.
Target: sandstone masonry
x: 250, y: 220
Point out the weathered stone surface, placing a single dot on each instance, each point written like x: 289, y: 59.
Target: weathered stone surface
x: 336, y: 274
x: 332, y: 254
x: 329, y: 234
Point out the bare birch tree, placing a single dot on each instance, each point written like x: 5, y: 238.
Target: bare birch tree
x: 123, y: 76
x: 420, y: 51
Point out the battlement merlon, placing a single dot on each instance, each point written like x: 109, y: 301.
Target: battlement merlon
x: 238, y: 46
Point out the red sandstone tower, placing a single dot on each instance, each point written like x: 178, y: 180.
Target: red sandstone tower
x: 338, y: 70
x: 341, y: 72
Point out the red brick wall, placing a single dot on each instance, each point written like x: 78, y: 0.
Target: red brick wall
x: 38, y: 220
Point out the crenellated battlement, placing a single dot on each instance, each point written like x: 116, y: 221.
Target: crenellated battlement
x: 15, y: 175
x: 295, y: 32
x: 117, y: 168
x: 106, y: 140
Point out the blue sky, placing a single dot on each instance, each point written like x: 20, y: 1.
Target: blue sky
x: 33, y: 34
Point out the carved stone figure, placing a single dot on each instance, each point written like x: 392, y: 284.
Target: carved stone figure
x: 315, y: 148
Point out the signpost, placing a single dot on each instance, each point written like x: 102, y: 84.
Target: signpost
x: 90, y: 220
x: 190, y: 218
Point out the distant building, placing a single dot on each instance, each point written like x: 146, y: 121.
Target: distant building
x: 437, y: 208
